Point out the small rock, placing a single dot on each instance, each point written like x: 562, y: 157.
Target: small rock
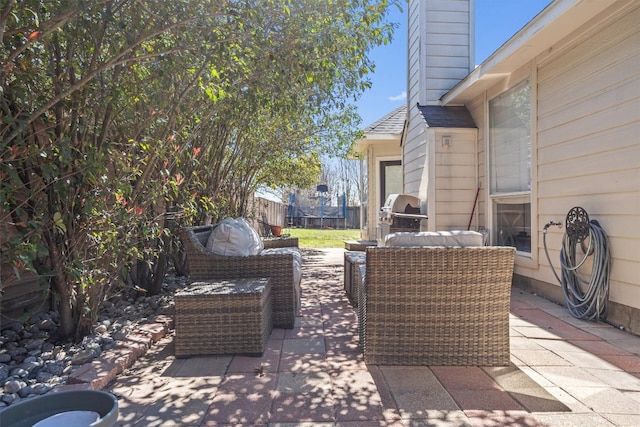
x: 82, y: 357
x: 54, y: 367
x: 9, y: 398
x: 95, y: 348
x: 59, y: 353
x: 44, y: 377
x: 108, y: 343
x: 35, y: 318
x: 25, y: 391
x: 4, y: 372
x: 10, y: 346
x: 16, y: 327
x: 13, y: 386
x: 19, y: 372
x: 40, y: 388
x: 47, y: 325
x: 32, y: 365
x: 34, y: 353
x: 18, y: 351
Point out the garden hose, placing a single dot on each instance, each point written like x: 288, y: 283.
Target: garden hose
x: 586, y: 298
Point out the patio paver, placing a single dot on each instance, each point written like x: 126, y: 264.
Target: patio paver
x: 564, y: 372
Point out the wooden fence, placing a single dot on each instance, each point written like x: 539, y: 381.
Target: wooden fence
x: 269, y: 212
x: 276, y: 214
x: 22, y: 293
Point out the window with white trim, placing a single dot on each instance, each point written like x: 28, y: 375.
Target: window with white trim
x: 510, y: 167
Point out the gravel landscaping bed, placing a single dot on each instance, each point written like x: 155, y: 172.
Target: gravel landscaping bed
x: 32, y: 365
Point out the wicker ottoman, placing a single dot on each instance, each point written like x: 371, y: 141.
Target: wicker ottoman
x: 352, y: 260
x: 223, y: 317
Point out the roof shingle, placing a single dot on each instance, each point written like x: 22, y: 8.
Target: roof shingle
x: 391, y: 123
x: 446, y: 117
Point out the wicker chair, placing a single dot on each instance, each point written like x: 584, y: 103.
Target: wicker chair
x: 203, y: 264
x: 436, y: 305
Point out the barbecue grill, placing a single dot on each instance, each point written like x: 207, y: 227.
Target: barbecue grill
x: 401, y: 212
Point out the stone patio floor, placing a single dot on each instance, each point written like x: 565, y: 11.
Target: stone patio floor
x: 564, y: 372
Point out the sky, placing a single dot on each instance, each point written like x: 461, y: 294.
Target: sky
x: 496, y: 22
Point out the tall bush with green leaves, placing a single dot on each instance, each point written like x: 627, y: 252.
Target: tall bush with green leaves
x: 115, y: 112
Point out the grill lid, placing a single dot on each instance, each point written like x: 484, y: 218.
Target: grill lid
x: 401, y: 203
x: 401, y: 206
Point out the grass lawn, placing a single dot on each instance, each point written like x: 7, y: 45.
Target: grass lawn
x: 319, y: 238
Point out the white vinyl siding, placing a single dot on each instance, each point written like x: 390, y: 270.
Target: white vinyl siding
x: 477, y: 110
x: 455, y: 184
x: 413, y: 54
x: 414, y: 144
x: 445, y: 47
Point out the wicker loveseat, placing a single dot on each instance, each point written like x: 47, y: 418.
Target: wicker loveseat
x: 202, y: 264
x: 436, y: 305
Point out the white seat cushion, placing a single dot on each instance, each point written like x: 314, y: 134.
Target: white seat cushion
x: 459, y: 238
x: 234, y: 237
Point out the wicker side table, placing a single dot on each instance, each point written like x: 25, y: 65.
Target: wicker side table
x: 352, y: 260
x: 223, y: 317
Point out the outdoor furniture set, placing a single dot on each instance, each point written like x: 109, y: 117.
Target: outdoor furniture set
x: 238, y: 292
x: 433, y: 298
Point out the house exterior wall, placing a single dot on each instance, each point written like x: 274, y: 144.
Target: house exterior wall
x: 378, y: 150
x: 585, y: 150
x: 450, y: 202
x: 477, y: 110
x: 588, y: 135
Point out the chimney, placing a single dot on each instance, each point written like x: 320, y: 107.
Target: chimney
x: 441, y: 45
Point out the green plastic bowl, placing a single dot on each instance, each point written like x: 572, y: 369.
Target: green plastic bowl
x: 33, y: 410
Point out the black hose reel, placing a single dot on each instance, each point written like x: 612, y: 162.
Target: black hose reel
x: 577, y: 224
x: 586, y: 296
x: 578, y: 228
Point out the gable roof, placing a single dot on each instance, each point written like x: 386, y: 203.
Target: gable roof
x: 392, y: 123
x: 446, y: 117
